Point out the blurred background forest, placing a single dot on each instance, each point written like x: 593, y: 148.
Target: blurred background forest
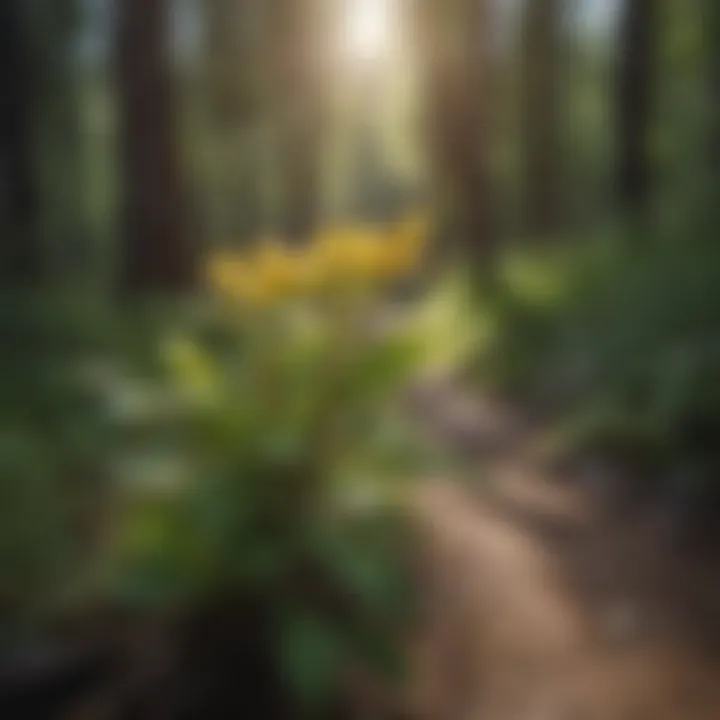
x: 236, y: 235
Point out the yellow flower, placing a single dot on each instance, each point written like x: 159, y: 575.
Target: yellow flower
x: 323, y: 258
x: 413, y: 232
x: 348, y: 254
x: 407, y: 242
x: 344, y: 256
x: 229, y: 274
x: 257, y: 280
x: 255, y: 292
x: 275, y: 270
x: 368, y: 255
x: 311, y: 271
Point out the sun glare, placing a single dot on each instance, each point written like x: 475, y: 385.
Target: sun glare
x: 369, y: 27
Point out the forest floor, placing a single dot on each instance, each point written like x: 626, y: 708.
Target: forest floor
x: 547, y: 601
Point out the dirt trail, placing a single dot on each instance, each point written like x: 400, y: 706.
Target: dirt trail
x: 541, y: 607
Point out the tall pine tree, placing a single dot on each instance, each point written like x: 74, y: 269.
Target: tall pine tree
x: 636, y: 88
x: 158, y: 252
x: 455, y: 42
x: 542, y: 116
x: 20, y: 248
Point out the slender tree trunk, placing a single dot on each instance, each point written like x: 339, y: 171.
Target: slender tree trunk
x: 233, y: 91
x: 296, y: 29
x: 459, y: 98
x: 636, y: 85
x: 158, y: 253
x: 21, y: 257
x: 542, y: 116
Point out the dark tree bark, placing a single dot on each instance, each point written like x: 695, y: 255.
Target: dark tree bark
x: 458, y: 87
x: 298, y: 84
x: 636, y: 87
x: 158, y: 252
x: 542, y: 116
x: 21, y: 257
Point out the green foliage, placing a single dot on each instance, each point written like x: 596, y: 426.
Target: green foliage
x: 174, y: 456
x: 53, y: 439
x: 626, y: 346
x: 268, y: 462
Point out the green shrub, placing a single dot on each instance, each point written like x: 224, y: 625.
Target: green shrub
x: 626, y: 346
x: 268, y: 464
x: 53, y: 442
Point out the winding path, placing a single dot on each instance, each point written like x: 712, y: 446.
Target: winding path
x: 542, y: 607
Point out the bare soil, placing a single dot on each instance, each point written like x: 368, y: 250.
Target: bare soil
x: 546, y: 601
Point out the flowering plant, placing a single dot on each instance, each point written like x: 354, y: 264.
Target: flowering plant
x: 337, y: 260
x: 287, y: 442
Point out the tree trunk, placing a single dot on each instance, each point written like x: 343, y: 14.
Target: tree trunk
x: 233, y: 82
x: 21, y: 257
x: 157, y: 249
x: 636, y: 85
x: 542, y: 116
x: 298, y: 83
x: 458, y: 101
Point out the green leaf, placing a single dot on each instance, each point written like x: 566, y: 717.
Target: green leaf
x: 311, y: 656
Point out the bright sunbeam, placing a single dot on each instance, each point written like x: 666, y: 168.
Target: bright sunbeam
x: 369, y: 29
